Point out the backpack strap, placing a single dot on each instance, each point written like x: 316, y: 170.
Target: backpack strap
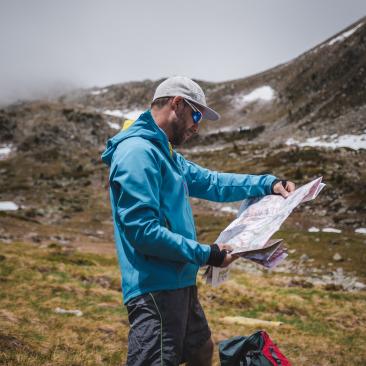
x: 274, y: 356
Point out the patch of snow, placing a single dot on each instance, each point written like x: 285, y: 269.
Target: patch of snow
x: 331, y: 230
x: 264, y: 93
x: 354, y: 142
x: 361, y: 230
x: 128, y: 114
x: 133, y: 114
x: 203, y: 149
x: 114, y: 113
x: 229, y: 209
x: 8, y: 206
x: 313, y: 229
x: 344, y: 35
x: 229, y: 129
x: 115, y: 126
x: 5, y: 151
x: 99, y: 91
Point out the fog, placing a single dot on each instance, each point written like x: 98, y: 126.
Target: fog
x: 48, y: 47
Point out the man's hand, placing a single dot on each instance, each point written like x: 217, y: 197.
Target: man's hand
x: 220, y: 255
x: 284, y: 188
x: 229, y: 258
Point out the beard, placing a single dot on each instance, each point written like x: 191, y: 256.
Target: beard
x: 178, y: 131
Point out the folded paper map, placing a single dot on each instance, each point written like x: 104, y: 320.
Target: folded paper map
x: 258, y: 219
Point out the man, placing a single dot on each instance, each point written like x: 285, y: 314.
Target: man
x: 155, y: 236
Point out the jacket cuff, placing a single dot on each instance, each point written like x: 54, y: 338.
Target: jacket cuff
x: 217, y: 256
x: 284, y: 183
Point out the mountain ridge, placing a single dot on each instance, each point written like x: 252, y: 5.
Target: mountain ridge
x: 324, y: 84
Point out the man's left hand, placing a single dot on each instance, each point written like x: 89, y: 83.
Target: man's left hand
x: 284, y: 190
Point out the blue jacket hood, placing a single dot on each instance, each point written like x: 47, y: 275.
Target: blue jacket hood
x: 144, y: 127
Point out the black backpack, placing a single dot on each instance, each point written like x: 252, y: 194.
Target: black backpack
x: 255, y: 350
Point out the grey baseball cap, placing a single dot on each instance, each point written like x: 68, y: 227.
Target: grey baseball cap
x: 188, y: 89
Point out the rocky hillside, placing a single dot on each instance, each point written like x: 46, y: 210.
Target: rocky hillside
x: 50, y: 151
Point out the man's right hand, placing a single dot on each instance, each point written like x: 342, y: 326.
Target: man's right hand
x: 220, y: 255
x: 229, y: 258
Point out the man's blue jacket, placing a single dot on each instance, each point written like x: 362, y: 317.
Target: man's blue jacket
x: 150, y: 186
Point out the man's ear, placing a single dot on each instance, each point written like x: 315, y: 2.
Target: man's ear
x: 176, y: 102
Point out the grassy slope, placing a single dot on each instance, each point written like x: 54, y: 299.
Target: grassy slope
x: 321, y: 327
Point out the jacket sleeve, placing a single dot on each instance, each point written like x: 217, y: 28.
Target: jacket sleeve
x: 223, y: 187
x: 137, y: 179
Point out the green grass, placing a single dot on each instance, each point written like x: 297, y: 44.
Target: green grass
x: 37, y: 279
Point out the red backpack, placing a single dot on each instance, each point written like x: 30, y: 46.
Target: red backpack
x: 256, y: 350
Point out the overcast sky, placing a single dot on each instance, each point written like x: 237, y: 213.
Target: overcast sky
x: 47, y: 45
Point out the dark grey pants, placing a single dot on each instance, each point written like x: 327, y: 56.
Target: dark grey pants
x: 166, y: 327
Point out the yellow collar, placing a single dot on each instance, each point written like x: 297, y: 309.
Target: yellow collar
x: 170, y: 148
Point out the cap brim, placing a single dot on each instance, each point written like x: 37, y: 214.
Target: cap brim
x: 208, y: 113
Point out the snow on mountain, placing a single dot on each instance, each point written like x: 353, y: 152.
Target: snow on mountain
x: 229, y: 129
x: 99, y: 91
x: 344, y: 35
x: 5, y: 151
x: 354, y: 142
x: 115, y: 126
x: 264, y: 93
x: 133, y: 114
x: 114, y: 113
x: 128, y: 114
x: 313, y: 229
x: 331, y: 230
x: 8, y: 206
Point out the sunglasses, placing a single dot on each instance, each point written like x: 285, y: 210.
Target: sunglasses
x: 196, y: 114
